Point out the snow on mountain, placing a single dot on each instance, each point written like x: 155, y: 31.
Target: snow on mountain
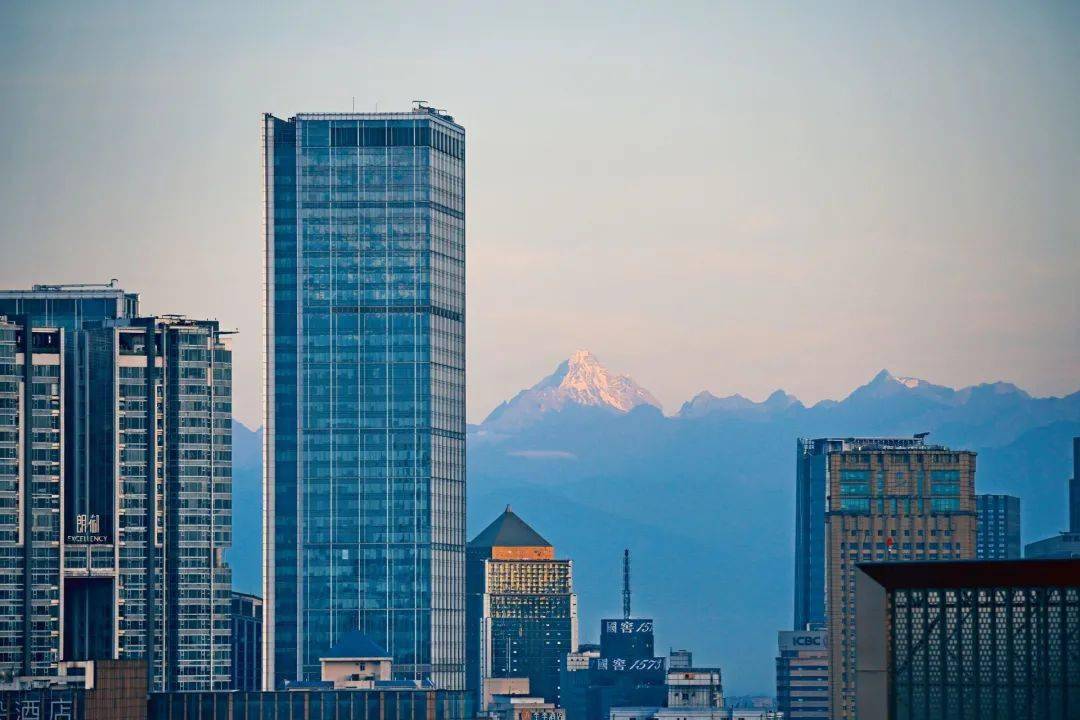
x: 580, y: 380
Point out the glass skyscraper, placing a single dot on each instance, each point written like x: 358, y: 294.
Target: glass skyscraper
x: 365, y: 396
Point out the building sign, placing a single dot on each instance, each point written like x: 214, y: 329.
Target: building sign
x: 87, y: 532
x: 795, y: 640
x: 627, y: 627
x: 618, y: 664
x: 39, y: 705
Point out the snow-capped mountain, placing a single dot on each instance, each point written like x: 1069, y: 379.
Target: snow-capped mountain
x: 580, y: 380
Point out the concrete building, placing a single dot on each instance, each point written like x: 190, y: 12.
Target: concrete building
x: 670, y: 713
x: 247, y: 629
x: 523, y: 707
x: 680, y: 659
x: 580, y: 660
x: 998, y: 533
x: 968, y: 640
x: 356, y: 662
x: 892, y: 501
x: 802, y: 674
x: 365, y: 396
x: 107, y: 559
x: 1065, y: 544
x: 695, y: 688
x: 521, y: 610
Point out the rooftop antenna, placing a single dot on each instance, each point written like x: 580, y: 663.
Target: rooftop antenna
x: 354, y: 103
x: 626, y: 583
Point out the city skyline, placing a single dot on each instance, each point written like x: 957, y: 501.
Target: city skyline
x: 818, y: 168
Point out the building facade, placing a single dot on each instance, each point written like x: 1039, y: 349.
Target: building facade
x: 969, y: 640
x: 522, y: 617
x: 247, y: 634
x: 811, y: 500
x: 626, y: 674
x: 802, y: 674
x: 887, y: 503
x: 364, y: 520
x: 998, y: 534
x: 121, y: 553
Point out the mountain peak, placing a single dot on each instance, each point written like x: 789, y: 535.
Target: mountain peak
x: 580, y: 380
x: 885, y: 384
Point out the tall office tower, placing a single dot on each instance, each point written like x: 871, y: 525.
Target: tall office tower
x: 521, y: 610
x: 153, y: 463
x: 886, y: 501
x: 811, y: 496
x: 802, y: 674
x: 998, y: 534
x: 365, y: 391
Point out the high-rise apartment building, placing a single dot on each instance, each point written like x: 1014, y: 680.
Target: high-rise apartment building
x: 998, y: 534
x: 886, y: 501
x: 521, y: 608
x: 802, y: 674
x: 119, y: 551
x: 365, y: 391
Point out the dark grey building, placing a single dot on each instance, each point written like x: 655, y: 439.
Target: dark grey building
x: 1065, y: 544
x: 247, y: 630
x: 968, y: 640
x: 122, y: 546
x: 626, y: 674
x: 365, y: 397
x: 521, y: 610
x: 998, y: 529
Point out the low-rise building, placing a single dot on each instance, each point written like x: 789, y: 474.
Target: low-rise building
x: 695, y: 687
x: 356, y: 662
x: 523, y: 707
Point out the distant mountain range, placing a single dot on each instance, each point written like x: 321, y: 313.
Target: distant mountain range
x: 704, y: 499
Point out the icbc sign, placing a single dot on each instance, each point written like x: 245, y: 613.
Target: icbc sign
x: 802, y: 640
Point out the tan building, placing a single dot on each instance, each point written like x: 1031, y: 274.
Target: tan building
x: 356, y: 662
x: 888, y: 505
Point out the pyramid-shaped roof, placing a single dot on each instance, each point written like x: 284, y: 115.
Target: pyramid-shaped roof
x: 356, y: 644
x: 509, y: 530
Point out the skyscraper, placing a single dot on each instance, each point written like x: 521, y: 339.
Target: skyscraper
x: 521, y: 608
x: 998, y: 536
x: 811, y: 495
x: 365, y: 390
x: 886, y: 501
x: 122, y: 551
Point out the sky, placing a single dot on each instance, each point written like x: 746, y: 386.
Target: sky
x: 725, y: 196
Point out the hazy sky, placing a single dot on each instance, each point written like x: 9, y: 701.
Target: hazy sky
x: 735, y: 197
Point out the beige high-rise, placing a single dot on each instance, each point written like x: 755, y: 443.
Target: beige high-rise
x: 888, y: 505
